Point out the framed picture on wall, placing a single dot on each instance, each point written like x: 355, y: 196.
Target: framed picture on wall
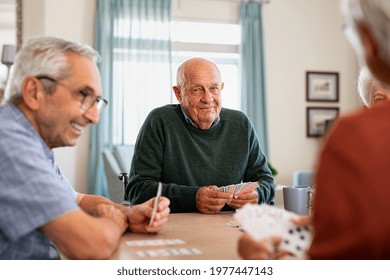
x: 322, y: 86
x: 319, y: 119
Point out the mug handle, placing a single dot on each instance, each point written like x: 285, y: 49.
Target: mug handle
x: 310, y: 193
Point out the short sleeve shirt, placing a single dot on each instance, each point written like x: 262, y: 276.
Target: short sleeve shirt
x: 33, y: 190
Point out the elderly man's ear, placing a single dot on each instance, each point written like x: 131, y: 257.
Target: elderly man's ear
x: 177, y: 92
x: 32, y: 92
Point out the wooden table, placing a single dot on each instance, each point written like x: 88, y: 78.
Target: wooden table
x: 208, y: 233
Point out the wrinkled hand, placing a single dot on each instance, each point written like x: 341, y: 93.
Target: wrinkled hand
x: 267, y: 248
x: 242, y: 198
x: 109, y: 211
x: 210, y: 200
x: 139, y: 216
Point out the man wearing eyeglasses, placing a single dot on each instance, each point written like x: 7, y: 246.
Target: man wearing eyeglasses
x: 53, y: 95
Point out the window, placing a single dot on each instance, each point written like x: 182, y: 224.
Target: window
x: 215, y: 41
x: 141, y: 74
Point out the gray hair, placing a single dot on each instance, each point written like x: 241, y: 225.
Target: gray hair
x: 44, y: 56
x: 364, y: 86
x: 376, y: 15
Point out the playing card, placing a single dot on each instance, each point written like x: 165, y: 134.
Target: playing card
x: 296, y: 240
x: 227, y: 188
x: 238, y: 188
x: 168, y: 252
x: 157, y: 199
x: 154, y: 242
x: 262, y: 221
x: 248, y: 187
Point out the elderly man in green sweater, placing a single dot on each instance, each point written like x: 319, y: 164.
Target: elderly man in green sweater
x: 196, y: 146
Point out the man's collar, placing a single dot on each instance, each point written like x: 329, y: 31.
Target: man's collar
x: 188, y: 119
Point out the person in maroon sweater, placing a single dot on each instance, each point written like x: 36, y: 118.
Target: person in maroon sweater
x: 352, y: 181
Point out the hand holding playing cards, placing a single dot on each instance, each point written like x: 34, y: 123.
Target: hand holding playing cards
x: 265, y: 249
x: 210, y: 200
x: 305, y: 220
x: 275, y: 232
x: 139, y: 216
x: 243, y: 198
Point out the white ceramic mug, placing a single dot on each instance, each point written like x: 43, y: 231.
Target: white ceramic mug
x: 297, y: 199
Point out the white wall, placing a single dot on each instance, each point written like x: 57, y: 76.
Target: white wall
x: 7, y: 34
x: 302, y: 35
x: 299, y: 35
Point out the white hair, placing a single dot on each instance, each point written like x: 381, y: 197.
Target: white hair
x: 364, y: 86
x: 375, y: 14
x: 44, y: 56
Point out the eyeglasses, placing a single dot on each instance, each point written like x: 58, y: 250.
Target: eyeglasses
x: 87, y: 100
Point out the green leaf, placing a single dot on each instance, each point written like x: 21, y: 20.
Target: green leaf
x: 273, y: 170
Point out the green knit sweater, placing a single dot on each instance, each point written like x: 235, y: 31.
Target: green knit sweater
x: 185, y: 158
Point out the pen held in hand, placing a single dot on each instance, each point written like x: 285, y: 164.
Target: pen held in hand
x: 156, y: 201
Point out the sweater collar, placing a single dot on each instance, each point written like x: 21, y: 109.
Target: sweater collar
x: 189, y: 120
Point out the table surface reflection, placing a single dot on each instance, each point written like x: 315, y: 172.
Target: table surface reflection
x: 208, y: 233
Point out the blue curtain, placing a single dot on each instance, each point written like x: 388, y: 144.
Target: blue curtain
x: 133, y: 39
x: 253, y: 97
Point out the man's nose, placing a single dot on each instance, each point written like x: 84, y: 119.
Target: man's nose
x: 92, y: 115
x: 208, y: 96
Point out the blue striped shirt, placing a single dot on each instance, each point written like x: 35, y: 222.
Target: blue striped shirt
x: 33, y: 190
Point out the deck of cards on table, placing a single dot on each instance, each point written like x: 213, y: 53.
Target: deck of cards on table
x: 262, y: 221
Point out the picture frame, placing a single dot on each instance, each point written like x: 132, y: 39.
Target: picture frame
x: 322, y: 86
x: 19, y: 24
x: 319, y: 119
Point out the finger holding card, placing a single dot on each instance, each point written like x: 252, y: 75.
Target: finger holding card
x: 305, y: 220
x: 140, y: 216
x: 265, y: 249
x: 263, y: 221
x: 242, y: 198
x: 156, y: 201
x: 240, y: 188
x: 210, y: 199
x: 161, y: 216
x: 249, y: 187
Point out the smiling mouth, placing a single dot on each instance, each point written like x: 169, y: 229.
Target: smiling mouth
x: 77, y: 127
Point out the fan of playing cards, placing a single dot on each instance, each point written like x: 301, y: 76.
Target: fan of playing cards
x: 240, y: 188
x: 262, y: 221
